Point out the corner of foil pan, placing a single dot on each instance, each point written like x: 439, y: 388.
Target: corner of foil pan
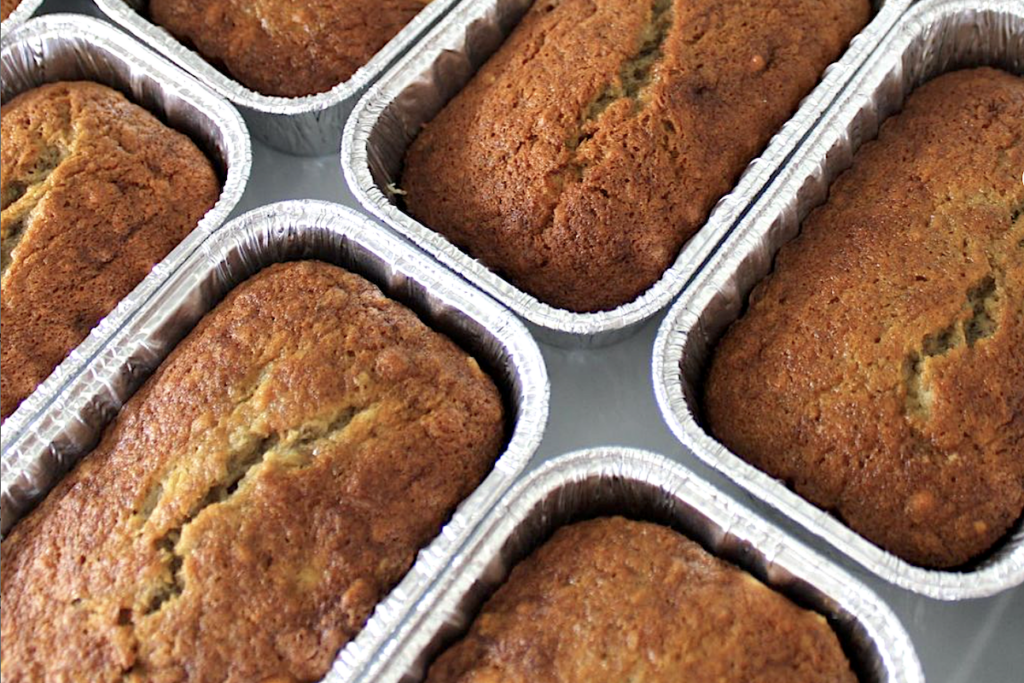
x: 896, y: 652
x: 310, y: 112
x: 529, y: 427
x: 549, y: 324
x: 683, y: 325
x: 21, y: 14
x: 233, y: 145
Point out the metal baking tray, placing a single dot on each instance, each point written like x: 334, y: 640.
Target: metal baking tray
x: 302, y: 230
x: 307, y: 125
x: 643, y: 485
x: 65, y: 47
x: 934, y: 37
x: 388, y: 118
x: 21, y: 13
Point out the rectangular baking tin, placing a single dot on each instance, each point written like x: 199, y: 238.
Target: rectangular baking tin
x: 934, y: 37
x: 643, y: 485
x: 69, y: 47
x: 24, y: 10
x: 305, y: 230
x: 388, y: 118
x: 309, y: 125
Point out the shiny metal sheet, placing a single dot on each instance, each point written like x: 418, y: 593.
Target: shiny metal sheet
x: 643, y: 485
x: 933, y: 37
x: 307, y: 125
x: 390, y: 115
x: 67, y: 47
x: 302, y: 230
x: 21, y: 13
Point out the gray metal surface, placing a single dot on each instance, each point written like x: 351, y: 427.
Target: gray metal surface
x: 63, y: 47
x: 643, y: 485
x: 300, y: 125
x: 603, y: 396
x: 387, y: 119
x: 934, y: 37
x: 320, y: 230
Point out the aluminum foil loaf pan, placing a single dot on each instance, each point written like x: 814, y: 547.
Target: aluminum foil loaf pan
x: 305, y: 230
x: 21, y: 13
x: 308, y: 125
x: 390, y: 115
x: 934, y: 37
x: 642, y: 485
x: 73, y: 47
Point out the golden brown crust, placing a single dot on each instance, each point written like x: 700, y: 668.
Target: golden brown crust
x: 595, y: 142
x: 278, y: 47
x: 8, y: 6
x: 256, y: 497
x: 612, y: 600
x: 880, y: 368
x: 96, y: 191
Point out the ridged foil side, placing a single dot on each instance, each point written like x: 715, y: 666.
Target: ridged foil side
x: 643, y: 485
x: 389, y: 116
x: 61, y: 47
x: 309, y: 125
x: 303, y: 230
x: 21, y: 14
x: 934, y: 37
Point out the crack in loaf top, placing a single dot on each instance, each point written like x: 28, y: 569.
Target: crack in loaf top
x: 257, y: 497
x: 96, y: 191
x: 880, y: 368
x: 595, y: 142
x: 282, y: 47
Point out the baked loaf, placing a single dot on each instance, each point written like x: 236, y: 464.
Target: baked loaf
x: 8, y: 6
x: 256, y: 497
x: 612, y: 600
x: 95, y: 192
x: 282, y: 47
x: 595, y: 142
x: 880, y: 369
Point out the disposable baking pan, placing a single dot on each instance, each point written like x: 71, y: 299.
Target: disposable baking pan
x: 281, y: 232
x: 934, y: 37
x: 21, y: 13
x: 643, y: 485
x: 73, y: 47
x: 307, y: 125
x: 388, y: 118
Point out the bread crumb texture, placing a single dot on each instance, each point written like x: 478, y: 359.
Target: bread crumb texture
x: 879, y: 370
x: 595, y: 142
x: 612, y: 600
x: 95, y: 192
x: 286, y: 48
x: 256, y: 498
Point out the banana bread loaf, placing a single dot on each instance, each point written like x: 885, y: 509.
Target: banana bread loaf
x: 612, y: 600
x: 595, y: 142
x: 8, y: 6
x: 95, y: 192
x: 258, y: 495
x: 281, y: 47
x: 879, y: 370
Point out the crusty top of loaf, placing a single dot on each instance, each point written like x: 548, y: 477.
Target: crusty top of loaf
x: 281, y: 47
x: 612, y: 600
x: 595, y: 142
x: 95, y: 192
x: 880, y: 368
x: 8, y: 6
x: 257, y: 496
